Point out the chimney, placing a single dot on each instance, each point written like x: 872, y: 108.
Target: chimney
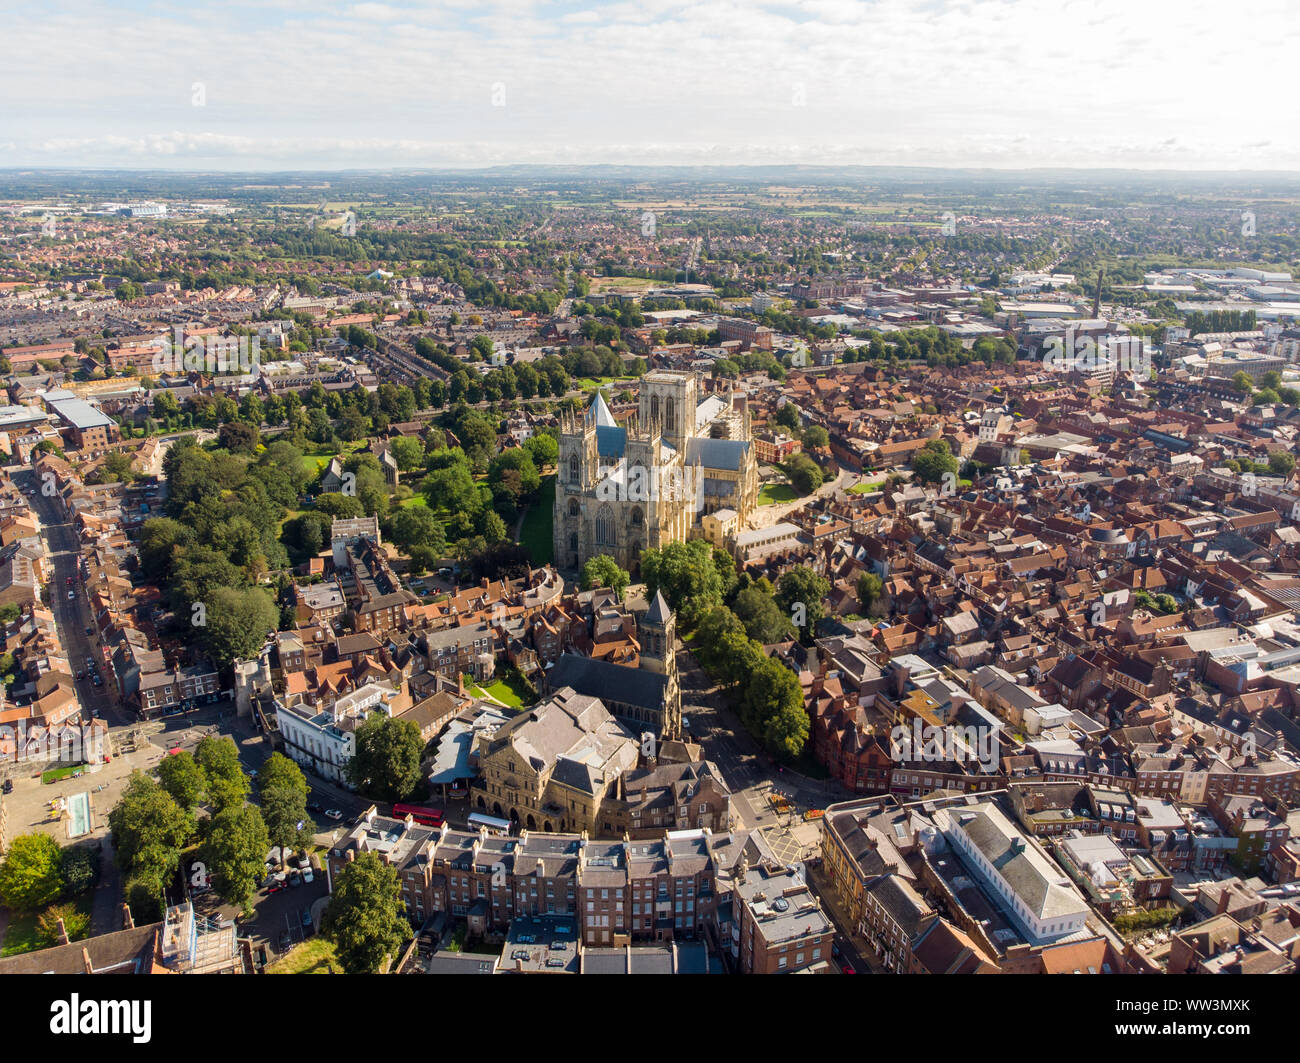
x: 85, y: 960
x: 128, y: 923
x: 63, y: 933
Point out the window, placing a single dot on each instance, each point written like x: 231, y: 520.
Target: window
x: 605, y: 526
x: 574, y: 469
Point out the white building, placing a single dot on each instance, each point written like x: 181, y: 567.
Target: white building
x: 1014, y: 868
x: 323, y: 739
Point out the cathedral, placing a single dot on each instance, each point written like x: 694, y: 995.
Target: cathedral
x: 622, y: 489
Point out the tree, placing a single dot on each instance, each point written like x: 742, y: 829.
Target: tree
x: 788, y: 416
x: 688, y: 576
x: 282, y: 789
x: 236, y: 623
x: 365, y: 917
x: 763, y: 618
x: 79, y: 866
x: 771, y: 702
x: 603, y: 571
x: 386, y: 764
x: 182, y: 778
x: 30, y: 876
x: 408, y: 452
x: 76, y: 924
x: 234, y: 849
x: 149, y: 830
x: 1280, y: 463
x: 815, y: 436
x: 803, y: 473
x: 870, y: 587
x: 414, y: 526
x: 803, y: 587
x: 934, y: 463
x: 223, y: 776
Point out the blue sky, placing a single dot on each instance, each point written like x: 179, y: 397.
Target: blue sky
x: 307, y: 84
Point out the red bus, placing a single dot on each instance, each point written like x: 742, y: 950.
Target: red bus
x: 429, y: 817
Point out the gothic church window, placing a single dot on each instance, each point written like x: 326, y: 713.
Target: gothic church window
x: 605, y: 526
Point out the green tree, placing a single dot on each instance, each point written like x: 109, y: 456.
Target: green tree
x: 415, y: 526
x: 282, y: 788
x: 765, y: 621
x: 804, y: 474
x: 934, y: 462
x: 234, y: 848
x: 224, y: 780
x: 603, y: 571
x: 771, y: 703
x: 802, y: 586
x: 365, y: 917
x: 237, y: 622
x: 149, y: 830
x: 815, y: 436
x: 31, y: 876
x: 687, y: 574
x: 181, y: 776
x: 1280, y: 463
x: 870, y: 588
x: 79, y: 865
x: 386, y: 764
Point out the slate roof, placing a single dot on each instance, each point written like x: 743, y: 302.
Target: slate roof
x: 611, y: 683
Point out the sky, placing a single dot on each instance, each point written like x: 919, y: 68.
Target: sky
x: 317, y: 84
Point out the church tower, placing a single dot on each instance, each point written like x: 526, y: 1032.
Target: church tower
x: 658, y: 636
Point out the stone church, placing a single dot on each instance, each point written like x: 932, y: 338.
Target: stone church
x: 622, y: 489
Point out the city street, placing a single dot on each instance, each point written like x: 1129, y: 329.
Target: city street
x: 71, y: 615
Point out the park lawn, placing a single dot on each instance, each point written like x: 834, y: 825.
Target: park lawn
x: 776, y: 493
x: 415, y: 500
x: 55, y: 774
x: 866, y: 486
x: 314, y: 956
x: 24, y: 935
x: 536, y: 533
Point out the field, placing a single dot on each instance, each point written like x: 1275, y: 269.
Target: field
x: 535, y: 535
x: 315, y: 956
x: 772, y: 493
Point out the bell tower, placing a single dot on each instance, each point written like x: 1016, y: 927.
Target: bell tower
x: 658, y: 634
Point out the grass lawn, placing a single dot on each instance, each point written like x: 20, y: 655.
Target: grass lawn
x: 511, y: 688
x: 415, y: 500
x: 866, y: 486
x: 771, y: 493
x: 24, y: 935
x: 55, y: 774
x: 535, y: 535
x: 313, y: 956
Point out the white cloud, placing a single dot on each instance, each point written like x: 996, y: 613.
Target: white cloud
x: 957, y: 82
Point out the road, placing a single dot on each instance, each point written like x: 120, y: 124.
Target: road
x: 71, y: 615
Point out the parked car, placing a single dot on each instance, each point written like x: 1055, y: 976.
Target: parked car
x: 306, y: 917
x: 285, y: 940
x: 72, y: 595
x: 333, y: 813
x: 313, y: 806
x: 295, y: 877
x: 307, y: 876
x: 9, y: 786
